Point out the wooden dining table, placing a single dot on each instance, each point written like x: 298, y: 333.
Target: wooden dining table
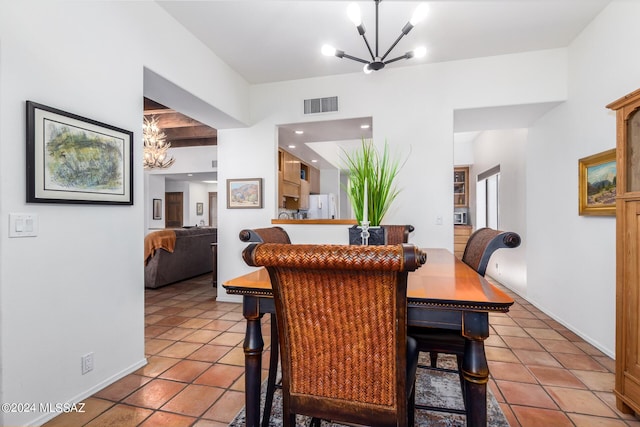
x: 443, y: 293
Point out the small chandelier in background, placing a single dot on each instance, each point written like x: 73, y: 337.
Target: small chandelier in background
x: 155, y: 145
x: 378, y: 62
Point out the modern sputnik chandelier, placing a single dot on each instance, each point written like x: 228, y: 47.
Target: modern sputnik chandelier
x: 155, y: 145
x: 378, y: 62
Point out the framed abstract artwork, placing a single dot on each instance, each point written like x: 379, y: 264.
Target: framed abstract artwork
x: 73, y: 159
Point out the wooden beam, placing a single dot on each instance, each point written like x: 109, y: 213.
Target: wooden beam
x: 197, y: 142
x: 181, y: 130
x: 150, y: 104
x: 190, y: 132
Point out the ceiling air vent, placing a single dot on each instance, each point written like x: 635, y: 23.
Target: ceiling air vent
x: 321, y: 105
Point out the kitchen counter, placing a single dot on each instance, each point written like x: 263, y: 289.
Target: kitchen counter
x: 314, y: 221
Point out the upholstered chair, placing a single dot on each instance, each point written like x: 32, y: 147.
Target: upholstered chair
x: 341, y: 313
x: 478, y: 250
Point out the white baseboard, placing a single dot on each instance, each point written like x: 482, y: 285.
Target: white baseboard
x: 90, y: 392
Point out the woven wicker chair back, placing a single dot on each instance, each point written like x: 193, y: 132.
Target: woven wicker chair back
x: 397, y: 234
x: 341, y: 314
x: 484, y: 242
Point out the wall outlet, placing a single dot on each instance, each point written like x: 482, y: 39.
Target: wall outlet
x: 87, y: 363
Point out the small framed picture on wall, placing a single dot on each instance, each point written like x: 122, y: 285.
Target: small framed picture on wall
x: 157, y: 209
x: 244, y: 193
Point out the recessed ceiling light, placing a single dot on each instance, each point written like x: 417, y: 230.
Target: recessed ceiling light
x: 364, y: 126
x: 210, y: 182
x: 292, y: 146
x: 314, y: 161
x: 299, y: 132
x: 189, y: 174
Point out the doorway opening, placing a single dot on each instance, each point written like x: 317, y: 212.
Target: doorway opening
x: 487, y: 190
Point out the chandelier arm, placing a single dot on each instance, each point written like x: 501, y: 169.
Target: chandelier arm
x: 392, y: 46
x: 354, y: 58
x: 373, y: 58
x: 405, y: 56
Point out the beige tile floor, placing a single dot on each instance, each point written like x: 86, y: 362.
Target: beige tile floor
x: 541, y: 373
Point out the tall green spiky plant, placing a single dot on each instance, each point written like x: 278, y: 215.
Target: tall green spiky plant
x: 380, y: 171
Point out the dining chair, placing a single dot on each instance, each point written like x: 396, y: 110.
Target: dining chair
x: 397, y: 234
x: 264, y: 235
x: 393, y: 235
x: 268, y: 235
x: 478, y: 250
x: 341, y: 312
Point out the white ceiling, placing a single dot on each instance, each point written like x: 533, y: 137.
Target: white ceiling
x: 324, y: 141
x: 276, y: 40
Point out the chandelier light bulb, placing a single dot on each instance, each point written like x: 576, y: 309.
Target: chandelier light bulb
x: 420, y: 52
x: 419, y: 14
x: 378, y: 62
x: 353, y: 12
x: 328, y: 50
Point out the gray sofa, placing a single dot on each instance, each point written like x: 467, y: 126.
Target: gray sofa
x: 192, y: 256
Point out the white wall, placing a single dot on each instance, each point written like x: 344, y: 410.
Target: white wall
x: 78, y: 286
x: 198, y: 193
x: 154, y: 188
x: 463, y: 148
x: 412, y: 109
x: 330, y: 181
x: 187, y: 160
x: 506, y: 148
x: 571, y: 259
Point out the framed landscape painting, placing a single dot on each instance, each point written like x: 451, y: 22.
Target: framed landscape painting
x: 244, y: 193
x: 597, y: 184
x: 73, y: 159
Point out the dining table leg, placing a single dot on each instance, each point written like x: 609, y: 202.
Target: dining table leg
x: 475, y: 370
x: 253, y: 346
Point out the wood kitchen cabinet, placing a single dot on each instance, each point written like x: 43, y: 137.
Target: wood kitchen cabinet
x: 296, y: 180
x: 281, y: 198
x: 461, y: 234
x: 461, y: 187
x: 627, y: 385
x: 291, y: 168
x: 303, y: 202
x: 288, y: 177
x: 290, y: 190
x: 314, y: 180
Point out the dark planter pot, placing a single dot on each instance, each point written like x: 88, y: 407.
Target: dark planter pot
x: 376, y: 236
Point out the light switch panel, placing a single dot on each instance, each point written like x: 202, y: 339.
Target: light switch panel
x: 23, y: 225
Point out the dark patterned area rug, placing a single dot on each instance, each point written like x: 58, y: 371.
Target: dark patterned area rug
x: 434, y: 388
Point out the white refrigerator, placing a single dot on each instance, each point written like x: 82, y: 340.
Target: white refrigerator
x: 322, y: 206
